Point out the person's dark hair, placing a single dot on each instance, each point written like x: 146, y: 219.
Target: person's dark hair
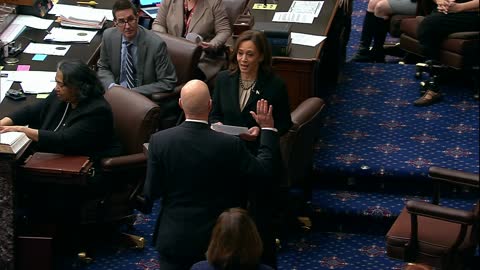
x: 263, y: 47
x: 235, y: 243
x: 77, y: 75
x: 122, y: 5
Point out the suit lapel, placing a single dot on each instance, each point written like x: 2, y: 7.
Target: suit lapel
x: 255, y: 95
x: 141, y: 54
x: 200, y: 9
x: 234, y: 98
x: 117, y: 52
x: 177, y: 18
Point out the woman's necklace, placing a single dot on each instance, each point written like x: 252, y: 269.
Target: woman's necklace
x: 247, y: 84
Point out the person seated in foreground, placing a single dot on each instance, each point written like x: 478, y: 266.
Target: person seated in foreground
x: 198, y: 173
x: 375, y: 27
x: 134, y: 57
x: 235, y: 244
x: 191, y: 19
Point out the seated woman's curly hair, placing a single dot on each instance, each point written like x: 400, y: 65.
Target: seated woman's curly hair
x: 77, y: 75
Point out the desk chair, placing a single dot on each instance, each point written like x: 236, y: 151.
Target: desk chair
x: 185, y: 56
x: 296, y: 147
x: 438, y: 236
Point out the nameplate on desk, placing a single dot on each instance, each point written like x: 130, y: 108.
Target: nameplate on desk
x: 264, y: 7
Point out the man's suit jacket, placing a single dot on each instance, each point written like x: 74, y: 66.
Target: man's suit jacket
x: 155, y: 71
x: 226, y: 108
x: 209, y: 20
x: 199, y: 173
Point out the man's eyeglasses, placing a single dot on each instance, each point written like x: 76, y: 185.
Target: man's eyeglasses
x: 130, y: 20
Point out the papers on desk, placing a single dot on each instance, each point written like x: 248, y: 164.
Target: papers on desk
x: 306, y: 39
x: 231, y: 130
x: 70, y: 35
x: 49, y: 49
x: 32, y: 82
x: 306, y: 7
x: 293, y: 17
x: 12, y: 32
x: 300, y: 12
x: 69, y: 10
x: 32, y: 21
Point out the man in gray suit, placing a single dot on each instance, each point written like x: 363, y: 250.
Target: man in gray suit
x: 198, y: 173
x: 131, y: 51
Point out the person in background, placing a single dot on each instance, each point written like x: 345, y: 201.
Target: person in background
x: 198, y: 173
x: 235, y: 244
x: 205, y: 18
x: 375, y: 27
x: 449, y: 17
x: 134, y: 57
x: 75, y: 119
x: 250, y: 78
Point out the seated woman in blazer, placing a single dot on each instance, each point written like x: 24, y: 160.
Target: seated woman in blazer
x: 74, y: 119
x: 206, y: 18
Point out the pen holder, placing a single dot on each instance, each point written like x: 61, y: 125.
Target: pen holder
x: 242, y: 23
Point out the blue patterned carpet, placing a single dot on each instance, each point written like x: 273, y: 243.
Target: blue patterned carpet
x: 373, y: 154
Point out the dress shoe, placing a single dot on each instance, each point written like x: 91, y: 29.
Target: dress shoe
x: 428, y: 98
x: 363, y: 55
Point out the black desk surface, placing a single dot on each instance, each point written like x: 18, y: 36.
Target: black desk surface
x: 320, y: 25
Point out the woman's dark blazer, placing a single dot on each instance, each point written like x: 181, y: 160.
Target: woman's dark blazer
x: 226, y: 108
x: 86, y: 130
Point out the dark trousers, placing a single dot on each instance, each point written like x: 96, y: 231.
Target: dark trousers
x: 437, y: 26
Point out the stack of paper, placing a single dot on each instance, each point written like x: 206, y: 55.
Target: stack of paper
x: 88, y: 21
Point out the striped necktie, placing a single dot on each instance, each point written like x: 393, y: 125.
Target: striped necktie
x: 130, y: 70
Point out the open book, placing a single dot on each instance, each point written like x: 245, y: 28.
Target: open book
x: 12, y: 142
x: 232, y: 130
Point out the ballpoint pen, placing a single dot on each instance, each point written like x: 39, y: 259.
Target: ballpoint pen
x: 90, y: 3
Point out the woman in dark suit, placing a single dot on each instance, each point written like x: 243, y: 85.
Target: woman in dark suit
x: 74, y: 119
x: 235, y: 244
x: 237, y: 90
x: 249, y: 79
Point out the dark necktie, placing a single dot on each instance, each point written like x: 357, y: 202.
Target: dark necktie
x: 130, y: 67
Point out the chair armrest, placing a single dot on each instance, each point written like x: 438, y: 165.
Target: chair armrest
x: 464, y: 35
x: 439, y: 212
x: 166, y: 96
x: 454, y: 176
x: 306, y: 111
x: 124, y: 162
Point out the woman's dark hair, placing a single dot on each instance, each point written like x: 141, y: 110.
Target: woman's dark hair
x: 122, y: 5
x: 235, y: 243
x: 263, y: 47
x: 77, y: 75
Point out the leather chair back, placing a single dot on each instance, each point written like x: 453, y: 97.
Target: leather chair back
x: 296, y: 145
x: 135, y: 117
x: 184, y: 55
x: 234, y: 8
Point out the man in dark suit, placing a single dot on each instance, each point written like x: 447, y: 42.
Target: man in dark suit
x: 198, y: 173
x: 151, y: 69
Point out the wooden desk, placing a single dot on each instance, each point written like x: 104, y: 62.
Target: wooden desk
x: 302, y: 69
x: 88, y: 53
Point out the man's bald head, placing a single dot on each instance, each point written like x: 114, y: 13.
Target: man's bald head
x: 195, y: 100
